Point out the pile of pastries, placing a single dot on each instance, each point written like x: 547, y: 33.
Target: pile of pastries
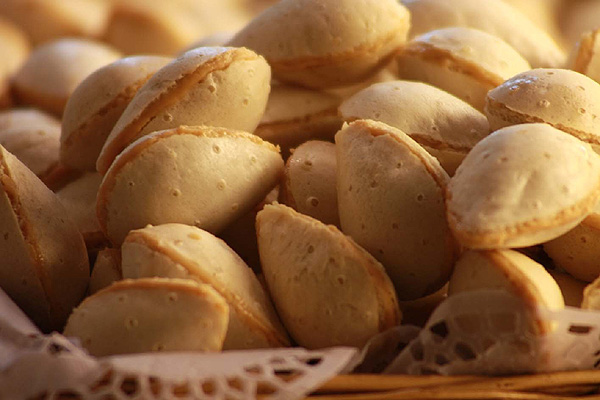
x: 202, y: 176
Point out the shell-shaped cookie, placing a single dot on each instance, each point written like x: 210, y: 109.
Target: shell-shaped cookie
x: 186, y: 252
x: 240, y: 235
x: 106, y: 270
x: 391, y: 201
x: 510, y: 271
x: 54, y: 70
x: 33, y: 137
x: 578, y: 250
x: 295, y: 115
x: 591, y: 296
x: 202, y: 176
x: 521, y: 186
x: 496, y: 18
x: 577, y: 18
x: 47, y: 20
x: 562, y: 98
x: 544, y: 13
x: 167, y: 27
x: 79, y: 199
x: 15, y: 47
x: 152, y: 314
x: 571, y: 288
x: 214, y: 86
x: 444, y: 125
x: 45, y: 267
x: 96, y: 105
x: 462, y: 61
x: 310, y: 181
x: 326, y: 44
x: 327, y: 289
x: 585, y: 57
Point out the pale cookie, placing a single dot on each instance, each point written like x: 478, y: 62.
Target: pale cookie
x: 79, y: 199
x: 45, y: 266
x: 578, y: 250
x: 521, y: 186
x: 54, y: 70
x: 565, y: 99
x: 295, y: 115
x: 240, y: 235
x: 47, y: 20
x: 543, y: 13
x: 214, y: 86
x: 464, y: 62
x: 495, y: 17
x: 186, y: 252
x: 15, y: 48
x: 585, y: 57
x: 571, y: 288
x: 512, y: 272
x: 444, y: 125
x: 327, y: 289
x: 309, y: 185
x: 167, y: 27
x: 591, y: 296
x: 152, y: 314
x: 33, y: 137
x: 203, y: 176
x: 96, y: 105
x: 578, y: 17
x: 106, y: 270
x: 391, y: 201
x: 320, y: 44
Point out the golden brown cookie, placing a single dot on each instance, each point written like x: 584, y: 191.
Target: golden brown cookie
x: 327, y: 289
x: 326, y: 44
x: 202, y: 176
x: 152, y: 314
x: 215, y: 86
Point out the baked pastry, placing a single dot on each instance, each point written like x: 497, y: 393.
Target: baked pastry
x: 54, y: 70
x: 295, y: 115
x: 79, y: 199
x: 41, y: 248
x: 346, y: 295
x: 33, y: 137
x: 186, y: 252
x: 565, y: 99
x: 326, y: 44
x: 571, y: 288
x: 464, y: 62
x: 106, y: 270
x: 578, y: 250
x: 513, y: 272
x: 497, y: 18
x: 444, y: 125
x: 152, y: 314
x: 167, y: 27
x: 391, y: 202
x: 215, y: 86
x: 584, y: 57
x: 96, y: 105
x: 309, y: 186
x: 202, y: 176
x: 522, y: 186
x: 15, y: 47
x: 48, y: 20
